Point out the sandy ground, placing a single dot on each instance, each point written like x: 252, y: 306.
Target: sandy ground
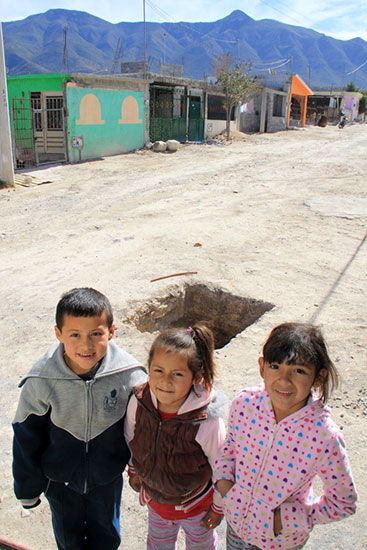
x: 278, y: 217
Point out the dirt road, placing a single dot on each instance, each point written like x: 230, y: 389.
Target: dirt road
x: 272, y: 219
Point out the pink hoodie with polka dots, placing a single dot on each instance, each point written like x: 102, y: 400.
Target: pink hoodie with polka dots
x: 272, y: 466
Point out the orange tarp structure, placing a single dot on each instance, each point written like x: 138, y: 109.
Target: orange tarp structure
x: 300, y: 91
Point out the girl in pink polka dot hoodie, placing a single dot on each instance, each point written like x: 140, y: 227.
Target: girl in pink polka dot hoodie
x: 280, y: 436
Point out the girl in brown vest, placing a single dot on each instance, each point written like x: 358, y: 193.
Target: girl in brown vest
x: 174, y: 428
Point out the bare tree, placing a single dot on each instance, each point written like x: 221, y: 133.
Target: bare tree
x: 362, y: 109
x: 237, y: 85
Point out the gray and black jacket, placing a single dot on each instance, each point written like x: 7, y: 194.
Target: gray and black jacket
x: 70, y: 430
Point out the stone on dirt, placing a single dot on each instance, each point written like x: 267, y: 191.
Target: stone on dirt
x: 159, y: 146
x: 172, y: 145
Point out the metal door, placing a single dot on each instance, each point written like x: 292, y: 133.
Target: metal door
x: 23, y: 139
x: 38, y: 129
x: 49, y: 129
x: 196, y: 122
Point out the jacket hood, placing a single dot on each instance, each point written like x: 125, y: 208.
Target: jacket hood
x: 199, y: 397
x: 53, y: 367
x: 314, y: 407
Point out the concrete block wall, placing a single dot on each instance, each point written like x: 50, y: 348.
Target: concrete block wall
x: 250, y: 121
x: 274, y: 123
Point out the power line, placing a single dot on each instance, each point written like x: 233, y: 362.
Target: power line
x: 159, y: 11
x: 272, y: 62
x: 289, y: 60
x: 357, y: 69
x: 271, y: 65
x: 170, y: 19
x: 286, y: 14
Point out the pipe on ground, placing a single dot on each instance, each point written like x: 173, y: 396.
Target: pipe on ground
x: 14, y: 545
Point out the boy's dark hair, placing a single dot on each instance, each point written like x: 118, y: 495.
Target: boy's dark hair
x: 196, y: 343
x: 302, y: 343
x: 83, y: 302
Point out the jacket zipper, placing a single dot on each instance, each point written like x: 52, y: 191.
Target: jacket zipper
x: 160, y: 422
x: 87, y: 431
x: 261, y: 466
x: 157, y: 437
x: 156, y: 445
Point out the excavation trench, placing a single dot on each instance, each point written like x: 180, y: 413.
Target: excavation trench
x: 225, y: 313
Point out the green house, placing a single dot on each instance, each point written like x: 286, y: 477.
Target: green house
x: 75, y: 117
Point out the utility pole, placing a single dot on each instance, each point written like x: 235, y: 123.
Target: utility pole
x: 65, y: 60
x: 116, y: 56
x: 309, y: 76
x: 164, y: 46
x: 145, y: 43
x: 6, y: 154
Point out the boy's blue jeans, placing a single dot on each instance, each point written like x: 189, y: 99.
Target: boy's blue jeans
x: 86, y: 522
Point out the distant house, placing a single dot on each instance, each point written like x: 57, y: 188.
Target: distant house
x: 266, y: 112
x: 281, y: 103
x: 37, y: 116
x: 350, y: 104
x: 298, y: 96
x: 177, y: 109
x: 106, y: 115
x: 185, y: 109
x: 181, y: 108
x: 76, y: 117
x: 332, y: 103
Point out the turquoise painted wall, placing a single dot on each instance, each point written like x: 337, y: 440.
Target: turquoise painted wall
x: 108, y: 121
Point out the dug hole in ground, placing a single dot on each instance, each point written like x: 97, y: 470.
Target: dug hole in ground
x: 267, y: 222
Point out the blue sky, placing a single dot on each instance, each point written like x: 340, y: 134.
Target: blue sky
x: 342, y: 19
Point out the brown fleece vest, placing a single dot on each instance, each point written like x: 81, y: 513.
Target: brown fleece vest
x: 165, y: 454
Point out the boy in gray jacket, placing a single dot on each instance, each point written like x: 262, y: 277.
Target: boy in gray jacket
x: 68, y: 428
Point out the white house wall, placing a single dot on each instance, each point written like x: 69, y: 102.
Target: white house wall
x: 216, y: 127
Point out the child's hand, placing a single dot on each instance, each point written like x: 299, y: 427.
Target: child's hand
x: 224, y: 485
x: 211, y: 520
x: 135, y: 483
x: 277, y: 522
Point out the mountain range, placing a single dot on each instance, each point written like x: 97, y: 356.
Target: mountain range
x: 73, y: 41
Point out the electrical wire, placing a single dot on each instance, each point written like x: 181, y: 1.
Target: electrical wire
x: 165, y: 15
x: 276, y: 67
x: 357, y: 69
x: 271, y: 65
x: 286, y: 14
x: 271, y: 62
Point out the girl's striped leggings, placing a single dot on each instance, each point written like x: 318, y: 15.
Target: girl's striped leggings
x: 163, y: 533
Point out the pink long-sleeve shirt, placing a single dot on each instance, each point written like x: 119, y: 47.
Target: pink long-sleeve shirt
x: 273, y: 465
